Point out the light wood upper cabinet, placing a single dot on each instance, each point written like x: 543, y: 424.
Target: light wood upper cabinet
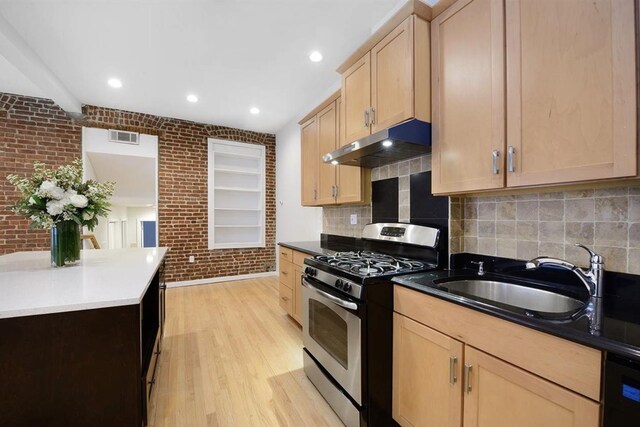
x: 327, y: 142
x: 309, y: 162
x: 390, y: 83
x: 356, y: 99
x: 326, y: 184
x: 571, y: 90
x: 502, y: 395
x: 468, y: 96
x: 426, y: 368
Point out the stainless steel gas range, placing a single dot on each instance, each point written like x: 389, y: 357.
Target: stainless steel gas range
x: 348, y: 317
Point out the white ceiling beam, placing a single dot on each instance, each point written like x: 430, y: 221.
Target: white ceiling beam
x: 16, y: 50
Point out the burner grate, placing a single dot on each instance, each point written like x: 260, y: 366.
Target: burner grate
x: 367, y: 263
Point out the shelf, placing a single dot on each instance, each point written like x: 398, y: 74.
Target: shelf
x: 239, y: 245
x: 238, y: 209
x: 249, y: 190
x: 238, y: 171
x: 237, y: 226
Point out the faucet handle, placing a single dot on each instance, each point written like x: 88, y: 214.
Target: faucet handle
x: 593, y: 257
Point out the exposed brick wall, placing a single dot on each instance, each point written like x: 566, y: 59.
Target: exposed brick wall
x: 33, y: 128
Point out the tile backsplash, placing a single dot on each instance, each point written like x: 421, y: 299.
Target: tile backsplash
x: 336, y: 219
x: 529, y: 225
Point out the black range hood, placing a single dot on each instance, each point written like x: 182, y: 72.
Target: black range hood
x: 402, y: 141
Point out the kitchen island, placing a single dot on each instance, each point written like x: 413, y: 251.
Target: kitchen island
x: 79, y: 344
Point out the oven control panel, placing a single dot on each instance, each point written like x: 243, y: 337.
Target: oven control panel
x: 392, y: 231
x: 336, y: 282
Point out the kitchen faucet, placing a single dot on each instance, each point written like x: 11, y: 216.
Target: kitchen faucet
x: 592, y: 278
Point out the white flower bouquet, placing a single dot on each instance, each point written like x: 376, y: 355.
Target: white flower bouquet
x: 51, y: 196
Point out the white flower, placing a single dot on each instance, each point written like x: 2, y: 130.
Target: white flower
x: 79, y: 201
x: 50, y: 189
x: 55, y: 207
x: 87, y: 215
x: 70, y: 192
x: 32, y: 201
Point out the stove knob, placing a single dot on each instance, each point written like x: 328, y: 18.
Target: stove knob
x: 346, y: 286
x: 338, y: 284
x: 307, y: 270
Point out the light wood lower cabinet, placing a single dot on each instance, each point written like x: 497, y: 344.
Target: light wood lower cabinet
x: 426, y: 375
x: 443, y: 381
x: 290, y: 286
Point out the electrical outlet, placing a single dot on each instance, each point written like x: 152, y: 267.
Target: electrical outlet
x: 354, y: 219
x: 192, y: 259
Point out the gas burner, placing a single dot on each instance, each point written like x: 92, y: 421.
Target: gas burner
x: 367, y: 263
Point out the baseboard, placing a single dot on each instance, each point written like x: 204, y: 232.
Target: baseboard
x: 221, y: 279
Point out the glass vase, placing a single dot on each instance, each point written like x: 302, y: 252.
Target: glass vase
x: 65, y: 244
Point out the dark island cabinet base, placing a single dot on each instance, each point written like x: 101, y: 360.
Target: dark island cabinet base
x: 71, y: 369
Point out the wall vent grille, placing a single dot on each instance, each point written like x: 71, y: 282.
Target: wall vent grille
x: 123, y: 137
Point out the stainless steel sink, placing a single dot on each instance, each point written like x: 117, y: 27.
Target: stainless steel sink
x: 513, y: 295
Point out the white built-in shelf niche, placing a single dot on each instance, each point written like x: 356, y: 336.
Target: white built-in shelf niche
x: 236, y: 194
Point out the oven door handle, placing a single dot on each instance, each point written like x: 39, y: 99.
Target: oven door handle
x: 337, y: 301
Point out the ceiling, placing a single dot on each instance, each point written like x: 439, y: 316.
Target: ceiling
x: 139, y: 174
x: 233, y: 54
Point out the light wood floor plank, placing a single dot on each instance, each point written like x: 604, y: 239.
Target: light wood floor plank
x: 232, y: 357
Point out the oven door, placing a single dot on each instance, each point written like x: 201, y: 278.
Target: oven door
x: 332, y: 334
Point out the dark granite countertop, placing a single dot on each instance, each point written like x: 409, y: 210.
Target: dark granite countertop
x: 327, y: 245
x: 619, y: 309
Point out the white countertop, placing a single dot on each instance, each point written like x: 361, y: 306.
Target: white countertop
x: 103, y: 278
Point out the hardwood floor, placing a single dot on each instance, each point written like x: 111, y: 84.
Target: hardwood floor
x: 232, y: 357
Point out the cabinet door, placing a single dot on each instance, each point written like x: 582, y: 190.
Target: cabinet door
x: 502, y: 395
x: 571, y: 90
x: 309, y: 162
x: 467, y: 45
x: 297, y: 294
x: 351, y: 181
x: 392, y: 77
x: 327, y: 142
x: 426, y: 380
x: 356, y: 99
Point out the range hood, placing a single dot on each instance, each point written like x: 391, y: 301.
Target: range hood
x: 402, y: 141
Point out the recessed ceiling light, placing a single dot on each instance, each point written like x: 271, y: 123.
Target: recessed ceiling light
x: 192, y: 98
x: 387, y: 143
x: 315, y: 56
x: 254, y: 110
x: 334, y: 162
x: 115, y: 83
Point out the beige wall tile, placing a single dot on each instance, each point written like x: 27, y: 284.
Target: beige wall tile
x: 486, y: 246
x: 527, y: 210
x: 615, y: 258
x: 579, y: 232
x: 611, y: 209
x: 580, y: 210
x: 487, y: 211
x: 506, y: 210
x: 551, y: 210
x: 470, y: 227
x: 526, y: 250
x: 506, y: 248
x: 470, y: 244
x: 551, y: 231
x: 505, y: 229
x: 555, y: 250
x: 527, y: 230
x: 470, y: 210
x: 486, y: 229
x: 634, y: 261
x: 611, y: 234
x: 578, y: 194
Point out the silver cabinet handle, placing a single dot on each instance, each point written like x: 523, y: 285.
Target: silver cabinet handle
x: 337, y: 191
x: 333, y: 191
x: 495, y: 154
x: 315, y: 194
x: 467, y: 378
x: 452, y: 369
x: 373, y: 116
x: 366, y: 118
x: 511, y: 152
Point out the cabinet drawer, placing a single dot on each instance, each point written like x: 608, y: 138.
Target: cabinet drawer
x: 574, y: 366
x: 286, y: 298
x: 299, y: 257
x: 286, y: 273
x: 286, y: 253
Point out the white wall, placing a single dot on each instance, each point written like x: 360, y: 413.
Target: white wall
x: 294, y: 223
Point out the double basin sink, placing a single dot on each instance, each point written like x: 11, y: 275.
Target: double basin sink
x: 513, y: 296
